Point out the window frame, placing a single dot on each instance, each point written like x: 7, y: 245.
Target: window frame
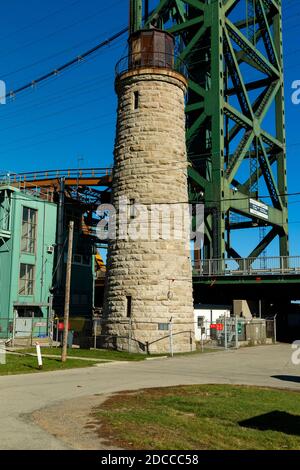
x: 132, y: 209
x: 128, y: 306
x: 163, y: 326
x: 136, y: 100
x: 27, y: 292
x: 30, y: 225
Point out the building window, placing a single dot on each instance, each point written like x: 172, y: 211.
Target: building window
x: 132, y: 211
x: 29, y: 312
x: 5, y: 204
x: 136, y: 99
x: 200, y: 322
x: 79, y: 260
x: 26, y: 281
x: 163, y: 326
x: 28, y: 240
x: 128, y: 306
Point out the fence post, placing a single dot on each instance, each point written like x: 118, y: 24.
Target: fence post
x: 275, y: 329
x: 236, y: 333
x: 57, y: 333
x: 51, y: 320
x: 95, y: 333
x: 51, y: 331
x: 31, y: 336
x: 14, y: 329
x: 259, y: 308
x: 225, y: 332
x: 171, y: 337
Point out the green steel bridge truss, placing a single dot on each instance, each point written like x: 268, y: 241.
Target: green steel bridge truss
x: 235, y: 113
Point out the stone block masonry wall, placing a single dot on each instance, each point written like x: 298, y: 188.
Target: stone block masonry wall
x: 149, y: 278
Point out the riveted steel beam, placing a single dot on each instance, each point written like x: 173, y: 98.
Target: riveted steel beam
x: 235, y: 82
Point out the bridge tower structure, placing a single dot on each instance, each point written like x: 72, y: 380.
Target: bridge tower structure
x: 235, y: 119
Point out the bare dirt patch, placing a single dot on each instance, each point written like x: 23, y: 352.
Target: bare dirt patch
x: 73, y: 422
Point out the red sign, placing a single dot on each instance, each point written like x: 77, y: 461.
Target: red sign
x: 217, y: 326
x: 61, y: 326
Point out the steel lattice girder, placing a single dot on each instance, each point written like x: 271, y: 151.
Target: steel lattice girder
x: 225, y: 123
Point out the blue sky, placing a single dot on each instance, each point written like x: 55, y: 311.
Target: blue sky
x: 70, y: 119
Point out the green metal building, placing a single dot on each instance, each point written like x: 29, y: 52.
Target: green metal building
x: 27, y: 240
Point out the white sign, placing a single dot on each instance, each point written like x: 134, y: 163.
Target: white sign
x: 40, y: 324
x: 259, y: 209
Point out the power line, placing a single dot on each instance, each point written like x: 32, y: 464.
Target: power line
x: 45, y: 59
x: 90, y: 86
x: 63, y: 67
x: 40, y: 20
x: 60, y: 129
x: 64, y: 92
x: 77, y: 60
x: 76, y: 133
x: 46, y: 116
x: 82, y: 20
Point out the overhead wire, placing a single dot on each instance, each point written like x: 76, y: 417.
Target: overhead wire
x: 61, y: 97
x: 54, y: 33
x: 40, y: 20
x: 77, y: 60
x: 72, y: 62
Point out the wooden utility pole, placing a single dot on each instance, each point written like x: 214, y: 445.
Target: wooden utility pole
x: 67, y: 292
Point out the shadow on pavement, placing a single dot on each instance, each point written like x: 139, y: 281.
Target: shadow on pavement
x: 287, y: 378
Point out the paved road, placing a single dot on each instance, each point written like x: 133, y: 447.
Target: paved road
x: 22, y: 394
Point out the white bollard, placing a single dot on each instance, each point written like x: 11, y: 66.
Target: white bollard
x: 39, y: 355
x: 2, y: 353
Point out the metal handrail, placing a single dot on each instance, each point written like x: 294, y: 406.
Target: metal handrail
x: 50, y: 174
x: 151, y: 60
x: 272, y: 265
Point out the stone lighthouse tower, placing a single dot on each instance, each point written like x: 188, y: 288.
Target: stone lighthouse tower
x: 149, y: 281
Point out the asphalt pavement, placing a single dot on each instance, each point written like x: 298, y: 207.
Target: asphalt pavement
x: 20, y: 395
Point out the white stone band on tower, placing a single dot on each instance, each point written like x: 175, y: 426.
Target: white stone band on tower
x: 149, y: 279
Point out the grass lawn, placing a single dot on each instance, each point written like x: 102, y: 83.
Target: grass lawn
x: 93, y: 354
x: 25, y: 364
x: 108, y: 354
x: 221, y: 417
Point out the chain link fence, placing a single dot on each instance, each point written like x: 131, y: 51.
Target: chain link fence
x: 6, y: 328
x: 170, y: 337
x: 235, y: 332
x: 22, y: 331
x: 224, y: 333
